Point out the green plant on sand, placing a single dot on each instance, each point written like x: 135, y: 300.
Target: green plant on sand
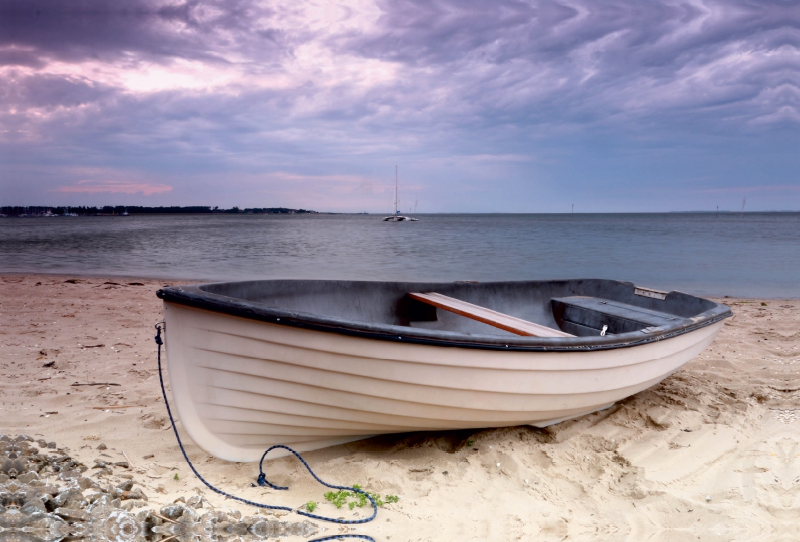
x: 340, y: 498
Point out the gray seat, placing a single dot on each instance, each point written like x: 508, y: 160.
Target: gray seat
x: 586, y: 316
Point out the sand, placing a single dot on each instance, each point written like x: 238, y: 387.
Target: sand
x: 711, y: 453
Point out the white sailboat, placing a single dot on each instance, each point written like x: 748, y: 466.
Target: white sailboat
x: 397, y: 217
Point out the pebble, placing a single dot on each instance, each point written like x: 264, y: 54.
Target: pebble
x: 172, y: 511
x: 55, y: 507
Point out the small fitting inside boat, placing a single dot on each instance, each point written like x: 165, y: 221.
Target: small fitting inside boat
x: 603, y: 331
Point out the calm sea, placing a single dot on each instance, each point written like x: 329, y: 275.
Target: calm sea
x: 754, y: 254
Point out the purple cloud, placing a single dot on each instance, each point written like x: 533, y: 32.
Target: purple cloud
x: 625, y: 93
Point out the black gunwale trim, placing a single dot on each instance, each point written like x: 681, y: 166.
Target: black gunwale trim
x: 193, y: 296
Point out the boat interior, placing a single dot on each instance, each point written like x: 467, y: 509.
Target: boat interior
x: 565, y: 308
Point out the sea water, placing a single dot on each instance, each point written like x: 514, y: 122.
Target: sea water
x: 747, y: 255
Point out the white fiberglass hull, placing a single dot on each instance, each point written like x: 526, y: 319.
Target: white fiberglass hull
x: 241, y: 385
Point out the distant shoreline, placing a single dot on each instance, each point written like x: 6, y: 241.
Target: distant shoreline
x: 130, y: 210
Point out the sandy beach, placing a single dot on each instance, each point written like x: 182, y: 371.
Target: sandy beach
x: 711, y: 453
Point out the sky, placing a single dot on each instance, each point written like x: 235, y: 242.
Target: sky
x: 483, y: 106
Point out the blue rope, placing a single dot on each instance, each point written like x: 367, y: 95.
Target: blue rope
x: 262, y: 479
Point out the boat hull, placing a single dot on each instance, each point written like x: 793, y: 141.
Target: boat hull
x: 241, y: 385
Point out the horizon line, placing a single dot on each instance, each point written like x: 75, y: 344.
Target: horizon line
x: 179, y: 209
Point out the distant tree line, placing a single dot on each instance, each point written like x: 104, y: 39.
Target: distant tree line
x: 110, y: 210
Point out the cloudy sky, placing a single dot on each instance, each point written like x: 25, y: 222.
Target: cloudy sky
x: 485, y: 106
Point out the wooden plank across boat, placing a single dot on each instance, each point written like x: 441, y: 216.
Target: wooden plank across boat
x: 311, y: 363
x: 518, y: 326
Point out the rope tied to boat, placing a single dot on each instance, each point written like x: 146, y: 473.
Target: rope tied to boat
x: 262, y: 478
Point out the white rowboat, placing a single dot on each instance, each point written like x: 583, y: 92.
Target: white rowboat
x: 311, y: 364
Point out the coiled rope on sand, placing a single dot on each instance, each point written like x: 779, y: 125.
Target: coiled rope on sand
x: 262, y: 479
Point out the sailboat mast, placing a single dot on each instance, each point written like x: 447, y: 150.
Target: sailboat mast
x: 395, y: 190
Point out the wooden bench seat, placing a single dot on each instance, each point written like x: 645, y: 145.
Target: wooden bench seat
x: 488, y: 316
